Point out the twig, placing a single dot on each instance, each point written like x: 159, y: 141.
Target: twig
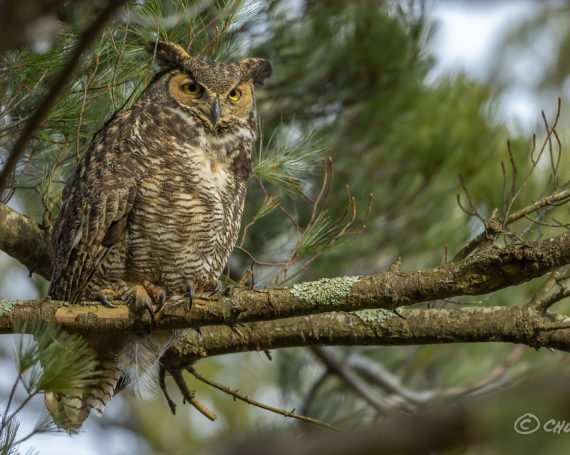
x: 473, y: 211
x: 10, y: 398
x: 162, y: 384
x: 255, y: 261
x: 558, y: 196
x: 538, y: 300
x: 8, y: 109
x: 497, y: 373
x: 189, y: 395
x: 248, y: 400
x: 279, y: 206
x: 212, y: 44
x: 192, y: 35
x: 89, y: 82
x: 116, y: 66
x: 57, y: 86
x: 534, y: 161
x: 551, y: 199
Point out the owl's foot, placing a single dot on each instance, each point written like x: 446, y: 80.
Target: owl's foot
x: 141, y: 296
x: 141, y: 300
x: 212, y: 287
x: 157, y: 294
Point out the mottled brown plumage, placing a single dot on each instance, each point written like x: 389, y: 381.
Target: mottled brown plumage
x: 154, y: 208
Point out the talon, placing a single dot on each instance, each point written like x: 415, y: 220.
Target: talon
x: 217, y: 287
x: 148, y: 306
x: 106, y: 302
x: 190, y: 291
x: 198, y: 330
x: 161, y: 300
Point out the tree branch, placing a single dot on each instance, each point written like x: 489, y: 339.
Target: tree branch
x: 482, y: 273
x: 22, y: 238
x: 551, y: 199
x: 519, y: 325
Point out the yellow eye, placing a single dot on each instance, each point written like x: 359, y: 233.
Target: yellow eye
x: 234, y: 95
x: 192, y: 89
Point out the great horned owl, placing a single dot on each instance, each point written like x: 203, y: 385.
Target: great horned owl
x: 154, y: 208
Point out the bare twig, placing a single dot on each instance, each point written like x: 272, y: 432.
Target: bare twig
x: 89, y: 82
x: 539, y: 301
x: 535, y: 161
x: 556, y: 197
x: 162, y: 384
x: 242, y: 397
x: 255, y: 261
x: 189, y: 395
x: 473, y: 211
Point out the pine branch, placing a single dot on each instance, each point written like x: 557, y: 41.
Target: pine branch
x: 56, y: 87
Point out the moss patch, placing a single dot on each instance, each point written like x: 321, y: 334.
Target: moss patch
x: 377, y: 315
x: 6, y: 306
x: 327, y: 291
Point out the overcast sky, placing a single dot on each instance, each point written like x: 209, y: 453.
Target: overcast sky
x: 467, y: 40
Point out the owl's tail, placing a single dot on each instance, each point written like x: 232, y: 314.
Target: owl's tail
x: 69, y: 411
x: 134, y: 366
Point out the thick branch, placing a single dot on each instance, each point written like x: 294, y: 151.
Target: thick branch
x: 416, y: 326
x: 22, y: 238
x: 480, y: 273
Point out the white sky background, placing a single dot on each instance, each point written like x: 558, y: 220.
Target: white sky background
x: 466, y: 41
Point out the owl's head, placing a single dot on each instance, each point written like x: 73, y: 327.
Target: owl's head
x: 220, y: 95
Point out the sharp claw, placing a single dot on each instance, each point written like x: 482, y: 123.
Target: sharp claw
x: 190, y: 291
x: 106, y: 302
x: 150, y: 310
x: 216, y: 288
x: 162, y: 299
x: 198, y: 330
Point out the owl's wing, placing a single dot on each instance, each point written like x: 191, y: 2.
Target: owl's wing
x: 97, y: 202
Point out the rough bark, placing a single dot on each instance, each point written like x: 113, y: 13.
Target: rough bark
x: 522, y: 325
x: 481, y: 273
x: 23, y: 239
x: 353, y: 310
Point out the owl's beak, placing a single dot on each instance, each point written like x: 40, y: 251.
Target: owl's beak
x: 215, y: 112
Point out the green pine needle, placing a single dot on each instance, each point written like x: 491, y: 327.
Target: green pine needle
x: 55, y: 361
x: 286, y: 160
x: 8, y: 434
x: 269, y: 204
x: 322, y: 234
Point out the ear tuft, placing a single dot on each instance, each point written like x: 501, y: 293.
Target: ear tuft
x: 255, y: 70
x: 168, y: 55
